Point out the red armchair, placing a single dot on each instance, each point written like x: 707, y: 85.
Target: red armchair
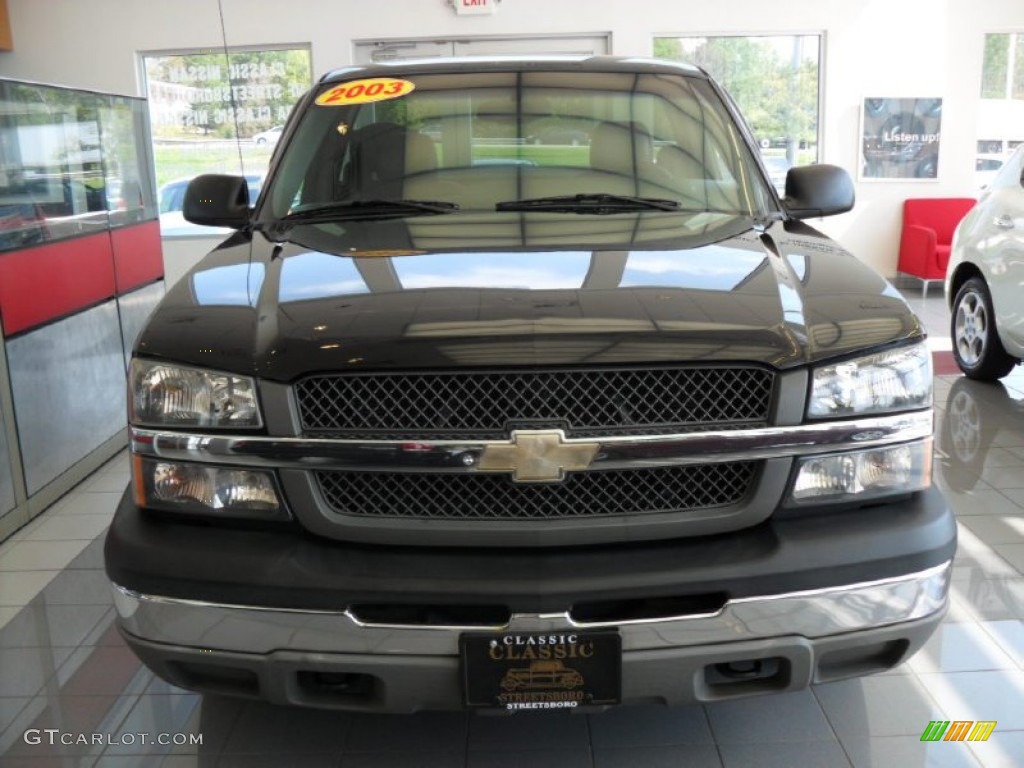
x: 928, y: 225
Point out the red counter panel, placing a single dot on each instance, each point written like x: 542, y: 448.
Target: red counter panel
x: 138, y: 257
x: 46, y: 282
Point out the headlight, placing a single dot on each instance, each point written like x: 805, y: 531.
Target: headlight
x: 863, y: 475
x: 199, y: 489
x: 165, y: 395
x: 895, y: 380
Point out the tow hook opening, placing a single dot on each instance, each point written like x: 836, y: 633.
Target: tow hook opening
x: 336, y: 684
x: 745, y: 676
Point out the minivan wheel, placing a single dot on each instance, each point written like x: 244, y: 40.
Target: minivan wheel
x: 976, y: 345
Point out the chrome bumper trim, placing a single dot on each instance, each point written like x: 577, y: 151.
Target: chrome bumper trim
x: 811, y: 614
x: 626, y: 452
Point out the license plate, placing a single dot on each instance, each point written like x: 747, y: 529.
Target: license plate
x: 523, y: 671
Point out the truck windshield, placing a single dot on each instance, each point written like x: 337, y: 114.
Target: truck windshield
x: 511, y: 141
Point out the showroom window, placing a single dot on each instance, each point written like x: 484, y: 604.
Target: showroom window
x: 1003, y: 68
x: 70, y: 164
x: 218, y: 112
x: 1001, y: 111
x: 775, y: 81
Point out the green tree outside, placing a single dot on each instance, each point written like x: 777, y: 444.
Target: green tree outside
x: 772, y: 79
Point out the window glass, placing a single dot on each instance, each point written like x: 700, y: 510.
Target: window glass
x: 775, y: 81
x: 67, y: 158
x: 1000, y: 117
x: 1002, y: 75
x: 127, y: 163
x: 479, y: 139
x: 217, y: 112
x: 1010, y: 173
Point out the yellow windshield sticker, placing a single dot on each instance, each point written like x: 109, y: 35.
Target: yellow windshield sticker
x: 364, y: 91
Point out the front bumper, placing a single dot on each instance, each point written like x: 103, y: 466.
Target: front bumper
x: 331, y: 659
x: 280, y: 614
x: 287, y: 568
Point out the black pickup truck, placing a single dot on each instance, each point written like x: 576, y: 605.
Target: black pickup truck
x: 457, y: 418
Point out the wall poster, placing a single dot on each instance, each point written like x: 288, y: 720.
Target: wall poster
x: 900, y: 139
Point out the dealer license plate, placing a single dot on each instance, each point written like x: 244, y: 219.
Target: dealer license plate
x: 522, y: 671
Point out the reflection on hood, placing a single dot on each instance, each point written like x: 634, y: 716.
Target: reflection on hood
x: 781, y: 297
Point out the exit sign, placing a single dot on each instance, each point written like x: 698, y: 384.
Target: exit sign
x: 466, y: 7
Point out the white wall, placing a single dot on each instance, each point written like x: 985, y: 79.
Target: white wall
x: 873, y: 48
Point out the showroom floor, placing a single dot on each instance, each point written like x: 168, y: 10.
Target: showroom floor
x: 63, y: 666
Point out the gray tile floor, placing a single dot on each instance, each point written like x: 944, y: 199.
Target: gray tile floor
x: 63, y: 666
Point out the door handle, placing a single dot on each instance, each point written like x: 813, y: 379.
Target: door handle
x: 1004, y: 222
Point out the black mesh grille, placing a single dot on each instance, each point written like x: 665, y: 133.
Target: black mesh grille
x: 496, y: 497
x: 485, y: 405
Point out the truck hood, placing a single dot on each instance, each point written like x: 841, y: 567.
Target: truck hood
x: 465, y: 292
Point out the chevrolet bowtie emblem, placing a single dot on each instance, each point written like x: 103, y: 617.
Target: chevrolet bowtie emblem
x: 537, y: 456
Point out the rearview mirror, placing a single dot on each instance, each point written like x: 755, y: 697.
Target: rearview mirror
x: 818, y: 190
x: 217, y: 200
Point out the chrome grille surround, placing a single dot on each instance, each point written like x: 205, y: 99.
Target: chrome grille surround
x: 299, y: 460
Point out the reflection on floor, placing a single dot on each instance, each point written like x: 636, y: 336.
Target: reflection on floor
x: 62, y: 665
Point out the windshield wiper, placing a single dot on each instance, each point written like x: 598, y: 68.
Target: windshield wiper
x: 365, y: 209
x: 589, y: 203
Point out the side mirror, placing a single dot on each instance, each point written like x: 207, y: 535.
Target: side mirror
x: 217, y: 200
x: 818, y: 190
